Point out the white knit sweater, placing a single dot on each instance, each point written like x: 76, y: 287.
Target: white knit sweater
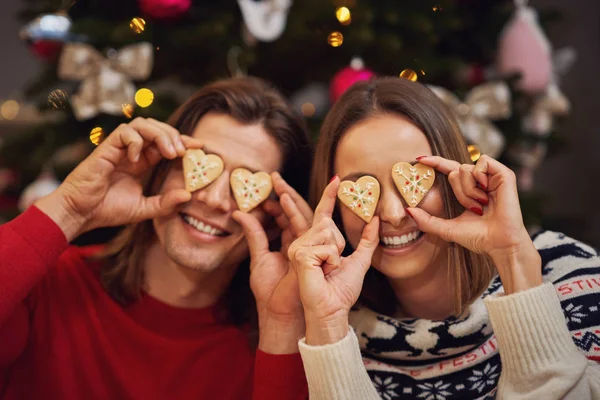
x: 543, y: 343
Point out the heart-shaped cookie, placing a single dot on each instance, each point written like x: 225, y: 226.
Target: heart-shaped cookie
x: 413, y: 181
x: 361, y: 196
x: 200, y: 169
x: 250, y: 189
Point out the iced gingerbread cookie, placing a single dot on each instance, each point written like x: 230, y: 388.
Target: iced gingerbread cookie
x: 361, y: 196
x: 200, y: 169
x: 413, y: 181
x: 250, y: 189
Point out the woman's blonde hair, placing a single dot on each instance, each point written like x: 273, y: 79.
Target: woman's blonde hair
x: 471, y: 272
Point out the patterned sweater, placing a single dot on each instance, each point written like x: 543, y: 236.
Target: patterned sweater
x: 543, y: 343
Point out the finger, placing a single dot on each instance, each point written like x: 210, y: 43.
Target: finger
x: 273, y: 208
x: 328, y: 199
x: 441, y: 164
x: 369, y: 241
x: 296, y: 219
x: 486, y: 167
x: 151, y: 133
x: 152, y: 155
x: 258, y: 242
x: 326, y: 256
x: 130, y: 139
x: 335, y: 234
x: 469, y: 184
x: 429, y: 224
x: 467, y: 202
x: 172, y: 133
x: 281, y: 187
x: 191, y: 142
x: 162, y: 204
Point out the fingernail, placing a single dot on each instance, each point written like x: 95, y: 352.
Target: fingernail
x: 409, y: 213
x: 332, y: 179
x: 476, y: 210
x: 172, y: 149
x: 483, y: 201
x: 418, y: 158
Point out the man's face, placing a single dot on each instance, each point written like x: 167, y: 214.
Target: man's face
x: 201, y: 235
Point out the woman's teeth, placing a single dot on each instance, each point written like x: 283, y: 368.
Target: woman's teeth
x: 397, y: 242
x: 202, y: 227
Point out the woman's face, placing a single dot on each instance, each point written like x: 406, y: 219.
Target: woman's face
x: 372, y: 147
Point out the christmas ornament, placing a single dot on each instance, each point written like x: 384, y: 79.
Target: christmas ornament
x: 483, y: 103
x: 540, y: 120
x: 106, y: 82
x: 10, y: 109
x: 265, y: 19
x: 343, y: 15
x: 361, y: 196
x: 96, y: 135
x: 200, y: 169
x: 58, y: 99
x: 127, y: 110
x: 413, y: 181
x: 347, y: 77
x: 45, y: 184
x: 471, y: 75
x: 523, y: 48
x: 164, y: 9
x: 53, y: 27
x: 409, y: 74
x: 312, y: 100
x: 474, y: 152
x: 335, y: 39
x: 137, y: 24
x: 250, y: 189
x: 46, y: 35
x: 144, y: 97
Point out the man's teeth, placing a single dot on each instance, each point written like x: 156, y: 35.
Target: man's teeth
x: 202, y: 227
x: 401, y: 241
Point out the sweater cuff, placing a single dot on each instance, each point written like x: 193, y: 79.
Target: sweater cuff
x: 337, y: 371
x: 531, y: 331
x: 279, y: 374
x: 41, y: 233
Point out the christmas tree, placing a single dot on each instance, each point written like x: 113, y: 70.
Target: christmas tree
x: 109, y: 61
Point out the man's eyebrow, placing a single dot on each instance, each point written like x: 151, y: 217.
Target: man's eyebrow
x: 250, y: 168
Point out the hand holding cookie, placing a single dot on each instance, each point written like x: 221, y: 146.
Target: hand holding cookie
x: 105, y: 189
x: 492, y: 223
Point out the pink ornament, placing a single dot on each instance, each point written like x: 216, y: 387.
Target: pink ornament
x: 164, y: 9
x: 347, y: 77
x: 524, y: 48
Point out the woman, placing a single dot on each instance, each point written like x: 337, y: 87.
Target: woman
x: 467, y: 306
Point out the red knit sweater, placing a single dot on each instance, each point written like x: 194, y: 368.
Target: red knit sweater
x: 63, y: 337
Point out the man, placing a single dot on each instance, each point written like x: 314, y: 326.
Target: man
x: 165, y: 311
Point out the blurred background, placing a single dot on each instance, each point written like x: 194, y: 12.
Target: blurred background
x: 519, y: 74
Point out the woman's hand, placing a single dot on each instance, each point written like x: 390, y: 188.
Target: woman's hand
x: 492, y: 223
x: 329, y: 283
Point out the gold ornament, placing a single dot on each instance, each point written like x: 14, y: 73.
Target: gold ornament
x: 144, y: 97
x: 106, y: 82
x: 343, y: 15
x: 474, y: 152
x: 335, y: 39
x: 57, y: 99
x: 10, y: 109
x: 437, y: 8
x: 409, y: 74
x: 308, y: 109
x: 96, y: 135
x: 488, y: 101
x: 128, y: 110
x: 137, y: 25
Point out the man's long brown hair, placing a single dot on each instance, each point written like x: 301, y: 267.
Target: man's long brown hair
x: 470, y: 272
x: 249, y: 101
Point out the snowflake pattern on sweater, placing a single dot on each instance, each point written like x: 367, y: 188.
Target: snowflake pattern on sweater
x: 458, y: 358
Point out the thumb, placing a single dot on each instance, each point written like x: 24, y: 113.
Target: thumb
x: 368, y: 243
x: 254, y: 232
x: 429, y: 224
x: 162, y: 204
